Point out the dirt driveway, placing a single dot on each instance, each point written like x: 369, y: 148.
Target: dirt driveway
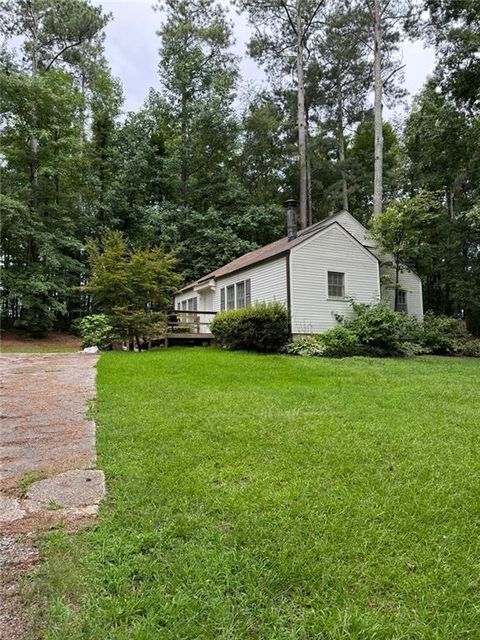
x: 47, y: 460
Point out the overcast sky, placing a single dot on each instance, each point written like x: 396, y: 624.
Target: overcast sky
x: 132, y: 50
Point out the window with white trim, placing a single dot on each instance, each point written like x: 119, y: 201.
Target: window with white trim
x: 402, y: 301
x: 184, y: 305
x: 336, y: 284
x: 222, y: 299
x: 192, y: 304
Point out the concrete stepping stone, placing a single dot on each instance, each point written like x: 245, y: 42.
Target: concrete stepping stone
x: 75, y: 488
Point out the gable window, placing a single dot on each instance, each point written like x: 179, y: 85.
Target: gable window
x: 230, y: 297
x: 336, y: 284
x: 240, y: 294
x: 402, y: 300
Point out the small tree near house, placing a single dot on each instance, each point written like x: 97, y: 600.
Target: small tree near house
x: 133, y: 287
x: 400, y: 231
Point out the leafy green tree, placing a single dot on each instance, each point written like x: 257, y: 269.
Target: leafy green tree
x: 133, y: 287
x: 442, y: 145
x: 44, y: 166
x: 283, y: 31
x: 41, y: 234
x: 360, y: 159
x: 401, y: 230
x: 198, y: 72
x: 453, y: 27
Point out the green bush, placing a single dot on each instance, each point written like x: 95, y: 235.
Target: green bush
x: 96, y: 330
x: 379, y: 328
x: 339, y: 342
x: 263, y: 327
x: 305, y: 346
x: 469, y: 349
x: 442, y: 334
x: 334, y: 343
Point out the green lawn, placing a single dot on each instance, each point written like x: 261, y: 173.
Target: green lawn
x: 273, y: 497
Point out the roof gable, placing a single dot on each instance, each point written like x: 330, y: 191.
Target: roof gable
x: 278, y: 248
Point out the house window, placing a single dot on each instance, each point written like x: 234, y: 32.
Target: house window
x: 240, y: 294
x: 230, y: 297
x: 336, y: 284
x: 184, y: 305
x: 222, y: 299
x: 402, y: 300
x: 192, y: 304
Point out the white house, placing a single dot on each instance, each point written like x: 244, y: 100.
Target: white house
x: 314, y: 273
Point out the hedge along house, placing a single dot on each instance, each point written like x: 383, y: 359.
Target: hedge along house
x: 314, y: 272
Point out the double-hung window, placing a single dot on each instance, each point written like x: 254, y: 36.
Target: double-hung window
x: 240, y: 294
x: 402, y: 301
x: 230, y: 297
x: 336, y: 284
x: 236, y: 296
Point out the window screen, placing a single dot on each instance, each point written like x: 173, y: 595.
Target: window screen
x: 222, y: 299
x: 402, y: 300
x: 336, y: 284
x: 230, y: 297
x: 248, y: 293
x: 240, y: 294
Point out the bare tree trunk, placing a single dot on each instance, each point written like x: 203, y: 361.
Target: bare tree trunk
x: 341, y: 145
x: 309, y: 182
x: 302, y: 123
x: 377, y: 109
x: 397, y: 280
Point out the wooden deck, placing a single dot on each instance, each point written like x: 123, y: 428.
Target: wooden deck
x: 188, y: 327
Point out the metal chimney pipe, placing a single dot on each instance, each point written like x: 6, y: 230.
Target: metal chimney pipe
x: 291, y: 210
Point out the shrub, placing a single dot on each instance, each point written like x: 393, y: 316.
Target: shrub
x: 96, y: 330
x: 306, y: 346
x: 263, y: 327
x: 339, y: 342
x: 470, y: 349
x: 378, y: 327
x: 442, y: 334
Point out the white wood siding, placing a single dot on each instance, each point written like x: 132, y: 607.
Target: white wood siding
x: 356, y: 228
x: 410, y: 283
x: 408, y: 280
x: 268, y: 282
x: 331, y: 250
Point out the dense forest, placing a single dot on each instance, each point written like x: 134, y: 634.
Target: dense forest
x: 201, y: 171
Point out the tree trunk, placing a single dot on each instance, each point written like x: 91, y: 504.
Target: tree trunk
x: 397, y: 279
x: 184, y: 139
x: 302, y: 124
x: 377, y: 109
x: 309, y: 182
x: 341, y: 145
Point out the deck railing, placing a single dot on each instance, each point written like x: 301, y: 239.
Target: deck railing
x: 189, y: 321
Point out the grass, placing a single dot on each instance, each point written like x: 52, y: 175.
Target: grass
x: 273, y: 497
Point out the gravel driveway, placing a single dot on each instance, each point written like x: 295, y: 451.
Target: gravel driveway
x: 47, y: 460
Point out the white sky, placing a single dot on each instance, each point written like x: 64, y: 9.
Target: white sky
x: 132, y: 51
